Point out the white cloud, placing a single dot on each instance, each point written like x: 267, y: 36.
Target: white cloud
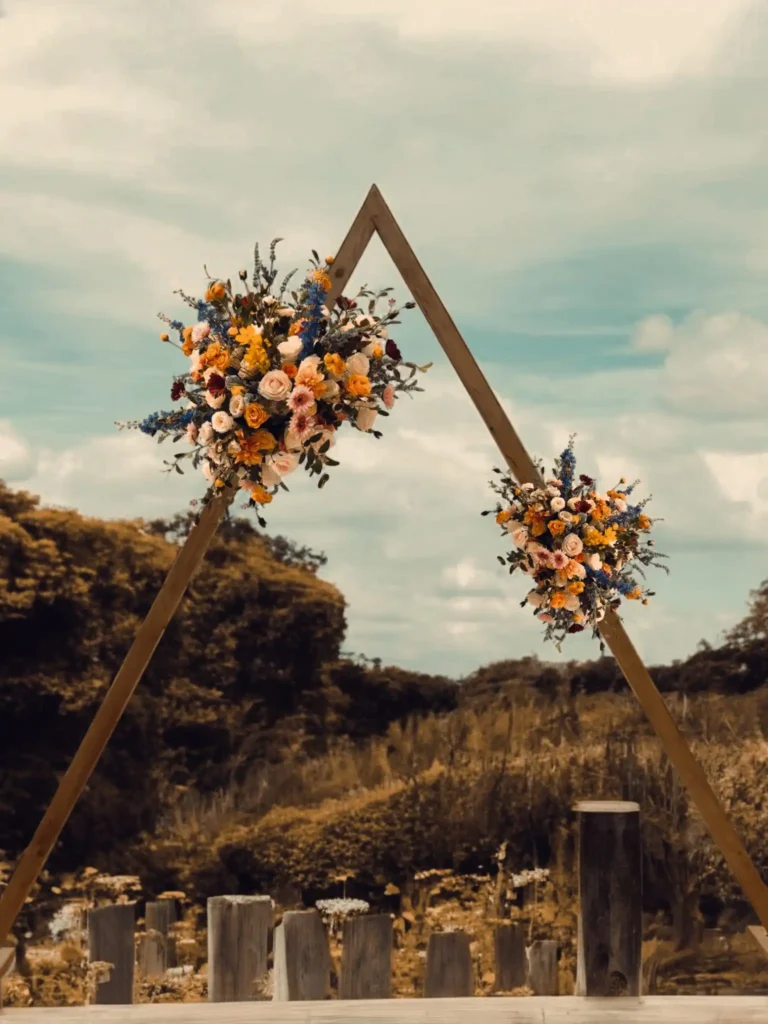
x: 716, y: 365
x: 400, y: 518
x: 16, y: 457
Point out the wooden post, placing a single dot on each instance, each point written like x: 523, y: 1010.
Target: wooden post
x: 158, y: 949
x: 7, y: 964
x: 366, y: 958
x: 450, y: 974
x: 511, y: 965
x: 238, y: 941
x: 543, y: 967
x: 302, y: 958
x: 111, y: 940
x: 610, y: 933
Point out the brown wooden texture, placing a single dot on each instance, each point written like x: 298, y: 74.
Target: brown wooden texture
x: 157, y: 947
x: 238, y: 943
x: 302, y: 958
x: 511, y: 964
x: 534, y: 1010
x: 110, y: 939
x: 610, y: 934
x: 366, y: 958
x: 450, y: 973
x: 543, y: 977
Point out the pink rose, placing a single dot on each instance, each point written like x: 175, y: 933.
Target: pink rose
x: 389, y: 396
x: 545, y: 617
x: 275, y: 386
x: 520, y: 536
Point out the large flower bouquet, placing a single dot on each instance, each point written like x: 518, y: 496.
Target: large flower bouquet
x: 581, y: 548
x: 273, y: 375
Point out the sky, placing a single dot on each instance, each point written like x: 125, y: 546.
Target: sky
x: 586, y: 185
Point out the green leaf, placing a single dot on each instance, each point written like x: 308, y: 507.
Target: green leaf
x: 323, y: 480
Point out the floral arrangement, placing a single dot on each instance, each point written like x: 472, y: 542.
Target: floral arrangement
x: 580, y: 547
x: 273, y: 375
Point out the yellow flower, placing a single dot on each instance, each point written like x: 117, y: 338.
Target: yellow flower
x: 188, y: 347
x: 558, y: 599
x: 358, y: 384
x: 377, y: 351
x: 643, y: 522
x: 556, y: 527
x: 538, y: 527
x: 259, y: 495
x: 575, y: 588
x: 164, y: 337
x: 237, y: 390
x: 320, y: 277
x: 248, y: 336
x: 578, y: 617
x: 249, y: 454
x: 609, y: 536
x: 635, y: 595
x: 504, y: 516
x: 255, y: 415
x: 296, y: 328
x: 329, y: 260
x: 334, y: 363
x: 256, y: 358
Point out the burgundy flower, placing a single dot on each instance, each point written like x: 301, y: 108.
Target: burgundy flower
x: 583, y: 506
x: 216, y: 384
x: 586, y: 479
x: 575, y: 628
x: 344, y: 303
x: 177, y: 390
x: 393, y: 351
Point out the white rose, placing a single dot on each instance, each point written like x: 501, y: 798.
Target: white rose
x: 594, y: 562
x: 215, y: 401
x: 269, y: 476
x: 620, y: 504
x: 535, y: 598
x: 370, y: 348
x: 572, y: 545
x: 283, y: 462
x: 572, y: 503
x: 554, y: 492
x: 565, y: 517
x: 237, y: 405
x: 206, y: 434
x: 572, y: 604
x: 527, y: 487
x: 557, y: 504
x: 310, y: 364
x: 520, y: 537
x: 198, y: 332
x: 275, y: 386
x: 292, y: 440
x: 290, y: 349
x: 330, y: 389
x: 222, y: 422
x: 285, y: 311
x: 358, y: 363
x: 366, y: 417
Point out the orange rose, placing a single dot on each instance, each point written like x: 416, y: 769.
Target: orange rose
x: 188, y: 347
x: 575, y: 588
x: 215, y: 356
x: 556, y: 527
x: 259, y: 495
x: 255, y: 415
x: 215, y: 292
x: 290, y: 370
x: 296, y: 328
x: 358, y: 384
x: 643, y: 522
x: 504, y: 516
x: 538, y: 527
x: 334, y: 363
x: 635, y: 595
x: 558, y: 599
x: 264, y: 440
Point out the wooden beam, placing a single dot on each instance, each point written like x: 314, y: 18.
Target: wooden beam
x: 504, y: 1010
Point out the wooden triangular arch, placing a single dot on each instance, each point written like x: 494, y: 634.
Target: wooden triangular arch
x: 374, y: 216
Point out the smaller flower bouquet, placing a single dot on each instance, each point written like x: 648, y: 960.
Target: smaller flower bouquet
x: 272, y: 376
x: 581, y: 548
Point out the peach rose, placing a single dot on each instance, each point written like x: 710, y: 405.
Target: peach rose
x: 573, y: 545
x: 275, y: 386
x: 366, y: 417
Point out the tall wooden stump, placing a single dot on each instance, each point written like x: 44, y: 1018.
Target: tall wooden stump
x: 511, y: 964
x: 609, y: 960
x: 110, y: 940
x: 366, y: 958
x: 158, y: 949
x: 543, y: 968
x: 238, y: 940
x: 302, y: 957
x: 450, y: 974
